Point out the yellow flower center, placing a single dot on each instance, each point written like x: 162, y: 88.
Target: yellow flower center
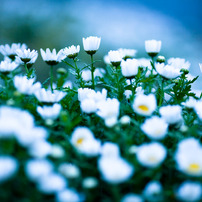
x: 194, y: 167
x: 143, y: 108
x: 152, y: 159
x: 79, y: 141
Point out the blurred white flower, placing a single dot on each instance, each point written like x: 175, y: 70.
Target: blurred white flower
x: 139, y: 90
x: 115, y: 169
x: 127, y: 53
x: 31, y: 135
x: 129, y: 68
x: 13, y: 120
x: 189, y: 191
x: 188, y: 157
x: 26, y: 55
x: 190, y: 103
x: 167, y: 71
x: 144, y: 104
x: 91, y: 44
x: 8, y: 167
x: 128, y: 93
x: 69, y: 195
x: 86, y: 74
x: 152, y: 47
x: 67, y: 84
x: 151, y: 154
x: 57, y: 151
x: 37, y: 168
x: 179, y: 63
x: 125, y: 120
x: 40, y: 149
x: 132, y: 198
x: 51, y: 183
x: 155, y: 128
x: 25, y: 85
x: 153, y: 191
x: 69, y: 170
x: 89, y: 182
x: 89, y: 99
x: 198, y: 109
x: 110, y: 149
x: 49, y: 112
x: 52, y: 58
x: 10, y: 51
x: 83, y: 140
x: 88, y: 106
x: 47, y: 96
x: 171, y: 113
x: 71, y: 51
x: 115, y: 57
x: 108, y: 110
x: 6, y: 67
x: 106, y: 59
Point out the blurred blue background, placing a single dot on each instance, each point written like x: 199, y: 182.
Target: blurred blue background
x: 120, y: 24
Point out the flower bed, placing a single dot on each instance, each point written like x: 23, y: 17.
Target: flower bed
x: 130, y: 131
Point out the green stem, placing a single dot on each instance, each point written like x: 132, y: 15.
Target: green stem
x: 51, y: 78
x: 92, y: 73
x: 79, y: 77
x: 27, y: 71
x: 161, y: 94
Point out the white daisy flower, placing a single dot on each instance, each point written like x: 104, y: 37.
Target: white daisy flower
x: 69, y: 170
x: 52, y: 58
x: 37, y: 168
x: 69, y: 195
x: 190, y: 103
x: 125, y: 120
x: 47, y: 96
x: 25, y: 85
x: 144, y: 105
x: 83, y: 140
x: 171, y: 113
x: 71, y: 51
x: 91, y: 44
x: 189, y: 191
x: 152, y: 47
x: 129, y: 68
x: 8, y: 167
x: 89, y: 182
x: 132, y: 198
x: 153, y: 191
x: 7, y: 67
x: 51, y: 183
x: 179, y: 63
x: 13, y: 120
x: 86, y: 74
x: 167, y: 71
x: 49, y: 112
x: 128, y: 93
x: 10, y: 51
x: 110, y: 149
x: 188, y: 157
x: 155, y: 128
x: 151, y: 154
x: 198, y: 109
x: 108, y: 110
x: 115, y: 57
x: 127, y: 53
x: 26, y: 55
x: 115, y: 170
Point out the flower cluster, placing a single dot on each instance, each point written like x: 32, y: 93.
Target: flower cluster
x: 127, y: 131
